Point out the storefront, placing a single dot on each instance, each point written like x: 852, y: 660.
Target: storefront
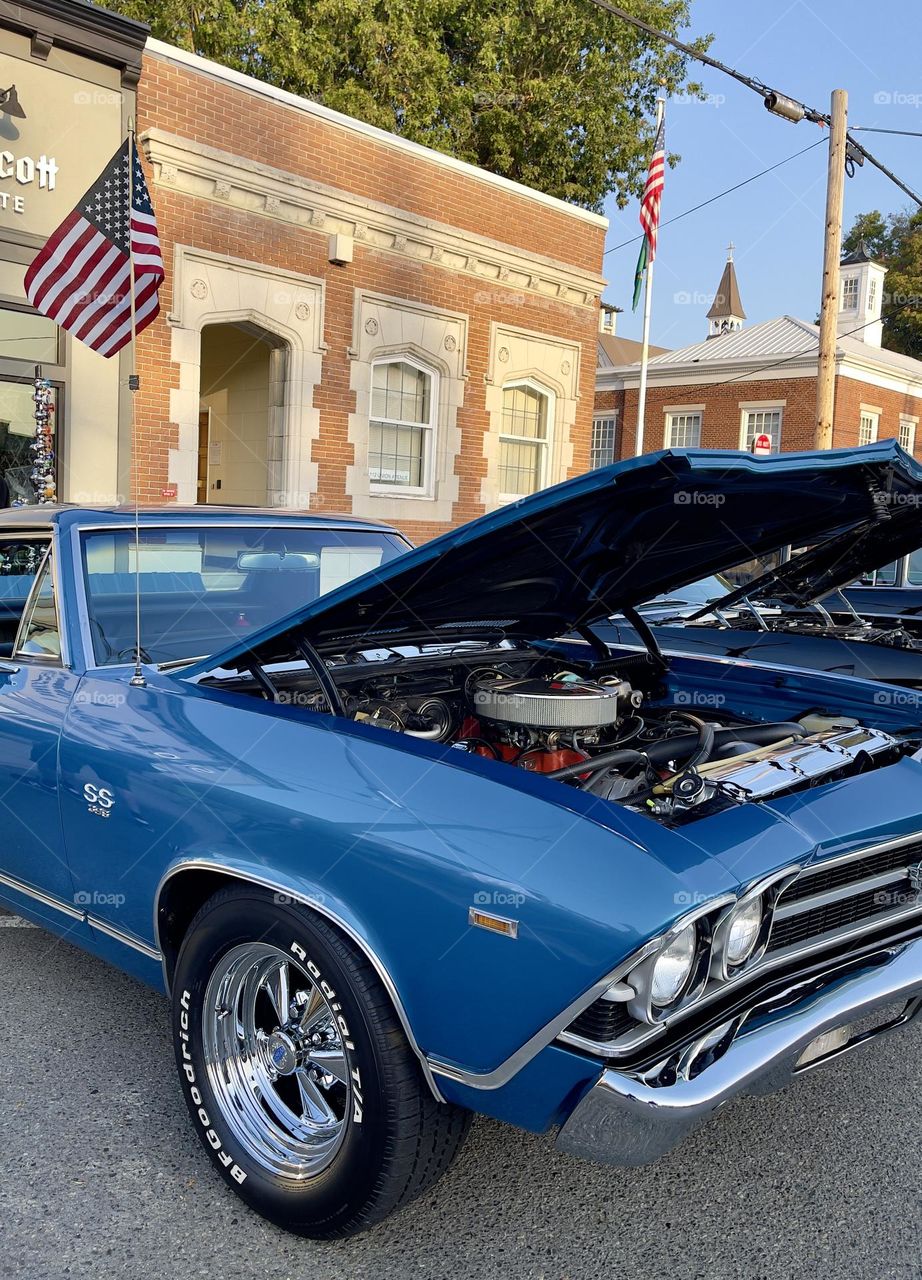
x: 68, y: 74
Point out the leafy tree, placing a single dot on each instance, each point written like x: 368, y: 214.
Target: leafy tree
x: 896, y: 241
x: 556, y: 94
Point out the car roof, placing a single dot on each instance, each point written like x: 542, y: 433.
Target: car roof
x: 66, y: 515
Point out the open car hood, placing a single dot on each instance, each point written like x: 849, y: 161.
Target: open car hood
x: 835, y: 563
x: 596, y: 544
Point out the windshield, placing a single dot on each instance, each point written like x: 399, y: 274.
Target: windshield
x: 701, y: 592
x: 205, y: 586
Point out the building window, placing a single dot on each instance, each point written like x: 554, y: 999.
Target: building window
x: 17, y: 431
x: 872, y: 295
x: 908, y: 434
x: 850, y: 293
x: 29, y: 337
x: 401, y: 430
x: 762, y: 422
x: 868, y: 424
x: 914, y: 569
x: 523, y: 440
x: 602, y: 446
x: 683, y: 430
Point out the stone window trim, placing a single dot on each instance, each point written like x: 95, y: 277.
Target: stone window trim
x: 388, y: 328
x: 552, y: 363
x: 545, y: 444
x: 427, y: 365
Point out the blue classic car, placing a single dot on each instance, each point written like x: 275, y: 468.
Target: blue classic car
x: 405, y: 853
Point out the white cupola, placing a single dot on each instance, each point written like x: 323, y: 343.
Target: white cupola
x: 861, y: 293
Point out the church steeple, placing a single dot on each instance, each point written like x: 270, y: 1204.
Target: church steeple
x: 726, y: 314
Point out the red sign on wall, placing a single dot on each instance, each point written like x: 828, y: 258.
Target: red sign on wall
x: 168, y: 491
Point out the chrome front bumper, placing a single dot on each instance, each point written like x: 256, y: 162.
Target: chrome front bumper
x: 630, y: 1119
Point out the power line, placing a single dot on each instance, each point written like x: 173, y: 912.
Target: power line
x: 866, y: 128
x: 704, y: 203
x: 790, y: 108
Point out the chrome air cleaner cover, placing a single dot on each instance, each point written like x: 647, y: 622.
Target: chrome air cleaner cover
x: 551, y: 704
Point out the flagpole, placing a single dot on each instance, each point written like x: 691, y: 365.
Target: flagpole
x: 647, y: 302
x: 134, y: 384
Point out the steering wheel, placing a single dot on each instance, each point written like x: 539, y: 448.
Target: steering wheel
x: 128, y: 655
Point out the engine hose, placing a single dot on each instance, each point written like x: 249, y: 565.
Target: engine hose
x: 660, y: 753
x: 706, y: 733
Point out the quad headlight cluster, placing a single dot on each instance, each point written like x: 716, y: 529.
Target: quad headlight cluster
x: 715, y: 943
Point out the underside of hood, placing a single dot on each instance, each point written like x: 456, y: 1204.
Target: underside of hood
x: 596, y: 544
x: 835, y: 563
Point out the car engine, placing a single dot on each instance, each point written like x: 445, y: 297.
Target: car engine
x: 606, y: 727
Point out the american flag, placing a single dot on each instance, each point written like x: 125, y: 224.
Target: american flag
x: 81, y: 278
x: 653, y: 191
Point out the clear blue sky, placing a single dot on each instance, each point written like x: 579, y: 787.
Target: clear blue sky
x: 776, y: 223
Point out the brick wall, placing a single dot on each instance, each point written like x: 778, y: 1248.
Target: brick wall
x: 197, y: 106
x: 723, y: 413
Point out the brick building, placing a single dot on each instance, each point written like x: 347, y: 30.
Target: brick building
x: 349, y: 322
x: 740, y: 382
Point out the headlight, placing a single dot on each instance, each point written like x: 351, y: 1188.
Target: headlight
x: 742, y: 931
x: 673, y: 967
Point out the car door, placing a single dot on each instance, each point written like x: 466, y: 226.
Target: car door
x: 36, y: 687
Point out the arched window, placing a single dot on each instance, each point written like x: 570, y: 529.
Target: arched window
x: 523, y: 440
x: 401, y: 440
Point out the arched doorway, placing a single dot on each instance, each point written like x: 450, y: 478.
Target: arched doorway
x: 242, y: 415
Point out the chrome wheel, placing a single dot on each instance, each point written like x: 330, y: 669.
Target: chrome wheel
x: 275, y: 1060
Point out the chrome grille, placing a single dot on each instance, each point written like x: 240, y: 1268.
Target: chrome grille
x: 857, y: 892
x: 859, y: 868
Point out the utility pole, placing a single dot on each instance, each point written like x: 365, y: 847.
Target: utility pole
x: 832, y: 253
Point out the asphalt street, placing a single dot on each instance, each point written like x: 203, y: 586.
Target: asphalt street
x: 101, y: 1175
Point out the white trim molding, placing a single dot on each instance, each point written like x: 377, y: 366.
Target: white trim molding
x: 436, y: 341
x: 260, y: 190
x: 210, y: 288
x: 551, y: 365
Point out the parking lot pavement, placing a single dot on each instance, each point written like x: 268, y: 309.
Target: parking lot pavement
x: 102, y: 1175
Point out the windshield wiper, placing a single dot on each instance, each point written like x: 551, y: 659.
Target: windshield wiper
x: 180, y: 662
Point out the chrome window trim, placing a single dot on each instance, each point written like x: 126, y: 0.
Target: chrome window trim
x: 43, y: 660
x: 78, y: 530
x: 277, y: 886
